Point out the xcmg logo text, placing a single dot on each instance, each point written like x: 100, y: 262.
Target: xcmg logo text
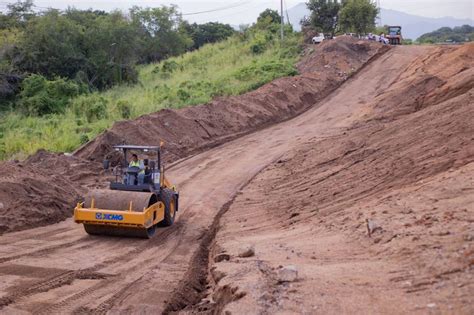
x: 107, y: 216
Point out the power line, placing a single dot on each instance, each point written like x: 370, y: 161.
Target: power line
x: 239, y: 12
x: 379, y: 17
x: 235, y: 5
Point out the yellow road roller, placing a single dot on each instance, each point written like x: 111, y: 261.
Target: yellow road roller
x: 139, y: 199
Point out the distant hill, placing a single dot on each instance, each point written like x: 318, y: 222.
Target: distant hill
x: 457, y: 34
x: 413, y: 26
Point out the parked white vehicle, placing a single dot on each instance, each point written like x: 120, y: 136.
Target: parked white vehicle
x: 384, y: 40
x: 381, y: 39
x: 318, y: 39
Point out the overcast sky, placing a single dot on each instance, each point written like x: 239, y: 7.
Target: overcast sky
x: 246, y: 11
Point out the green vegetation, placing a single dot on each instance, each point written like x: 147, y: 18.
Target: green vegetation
x: 211, y: 32
x: 39, y: 96
x: 324, y: 15
x: 230, y: 67
x: 457, y: 34
x: 65, y: 76
x: 358, y: 16
x: 93, y: 48
x: 331, y: 17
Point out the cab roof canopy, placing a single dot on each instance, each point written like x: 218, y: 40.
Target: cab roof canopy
x: 137, y: 147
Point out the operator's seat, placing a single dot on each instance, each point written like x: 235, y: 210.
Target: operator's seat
x: 145, y: 176
x: 132, y: 175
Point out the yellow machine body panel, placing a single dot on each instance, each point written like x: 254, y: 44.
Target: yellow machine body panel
x: 149, y: 217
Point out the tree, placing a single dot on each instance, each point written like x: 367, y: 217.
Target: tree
x: 112, y: 48
x: 324, y: 15
x: 269, y: 16
x: 18, y: 14
x: 358, y: 16
x: 207, y: 33
x: 161, y: 32
x: 50, y: 46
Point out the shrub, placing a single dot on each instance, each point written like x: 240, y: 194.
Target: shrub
x: 84, y: 138
x: 291, y: 47
x: 169, y: 66
x: 39, y: 96
x: 183, y: 95
x: 129, y: 75
x: 93, y: 107
x: 258, y: 46
x: 266, y: 71
x: 125, y: 109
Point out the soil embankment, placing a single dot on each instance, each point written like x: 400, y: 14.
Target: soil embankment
x: 378, y: 214
x: 44, y: 188
x: 194, y: 129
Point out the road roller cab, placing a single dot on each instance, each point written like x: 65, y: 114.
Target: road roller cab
x: 139, y: 199
x: 146, y: 177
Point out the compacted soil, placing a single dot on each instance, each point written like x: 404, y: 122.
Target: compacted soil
x: 367, y: 196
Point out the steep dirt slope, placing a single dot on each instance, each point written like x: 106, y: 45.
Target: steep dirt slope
x: 42, y: 189
x: 61, y: 180
x: 376, y: 219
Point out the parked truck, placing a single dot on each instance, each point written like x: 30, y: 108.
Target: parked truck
x: 394, y: 35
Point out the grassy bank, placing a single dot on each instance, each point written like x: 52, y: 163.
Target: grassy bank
x: 231, y: 67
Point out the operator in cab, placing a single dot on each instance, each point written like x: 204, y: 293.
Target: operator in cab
x: 134, y: 162
x: 131, y: 177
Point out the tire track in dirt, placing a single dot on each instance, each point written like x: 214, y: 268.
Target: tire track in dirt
x: 191, y: 287
x: 44, y: 251
x: 105, y: 306
x: 39, y: 235
x: 63, y: 279
x: 68, y: 277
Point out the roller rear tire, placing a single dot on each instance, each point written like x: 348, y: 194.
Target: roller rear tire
x: 168, y: 197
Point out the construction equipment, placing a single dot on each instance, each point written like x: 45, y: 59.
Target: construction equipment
x: 394, y: 35
x: 138, y: 200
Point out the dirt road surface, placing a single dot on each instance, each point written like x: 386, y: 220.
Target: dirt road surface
x: 60, y: 269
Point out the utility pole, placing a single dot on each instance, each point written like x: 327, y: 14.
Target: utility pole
x: 282, y: 18
x: 379, y: 17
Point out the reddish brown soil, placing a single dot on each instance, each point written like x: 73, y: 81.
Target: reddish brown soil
x: 42, y: 189
x: 392, y: 146
x: 406, y: 168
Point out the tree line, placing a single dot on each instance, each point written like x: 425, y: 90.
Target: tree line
x: 58, y: 54
x: 458, y: 34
